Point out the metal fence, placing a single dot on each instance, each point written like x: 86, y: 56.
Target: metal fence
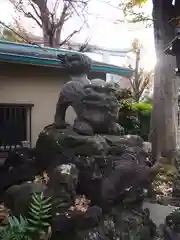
x: 15, y: 125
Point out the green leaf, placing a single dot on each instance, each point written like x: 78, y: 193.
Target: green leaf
x: 32, y: 221
x: 46, y: 205
x: 45, y: 224
x: 32, y: 229
x: 46, y: 200
x: 46, y: 216
x: 35, y: 217
x: 39, y: 212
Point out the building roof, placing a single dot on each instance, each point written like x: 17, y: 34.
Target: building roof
x: 93, y: 48
x: 43, y: 56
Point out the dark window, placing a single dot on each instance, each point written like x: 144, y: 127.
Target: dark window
x: 93, y: 75
x: 15, y: 125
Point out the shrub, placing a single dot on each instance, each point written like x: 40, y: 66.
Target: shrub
x: 128, y: 118
x: 134, y: 116
x: 143, y: 111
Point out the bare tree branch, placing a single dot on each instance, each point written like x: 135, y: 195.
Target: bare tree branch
x: 52, y: 21
x: 63, y: 16
x: 144, y: 85
x: 30, y: 15
x: 19, y: 7
x: 140, y: 84
x: 75, y: 10
x: 20, y: 36
x: 35, y: 10
x: 85, y: 46
x: 70, y: 36
x: 132, y: 84
x: 56, y: 4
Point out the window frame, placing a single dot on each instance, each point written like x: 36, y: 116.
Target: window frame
x: 28, y: 108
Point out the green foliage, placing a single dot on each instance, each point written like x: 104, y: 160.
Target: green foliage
x: 128, y: 118
x: 39, y: 213
x: 137, y: 226
x: 147, y: 99
x: 133, y: 11
x: 8, y: 35
x: 143, y: 111
x: 173, y: 221
x: 15, y: 229
x: 135, y: 117
x: 133, y: 3
x: 31, y: 226
x: 140, y: 1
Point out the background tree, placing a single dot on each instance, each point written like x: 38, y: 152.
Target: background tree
x: 140, y: 83
x: 163, y: 121
x: 8, y: 35
x: 142, y: 80
x: 164, y: 132
x: 51, y: 17
x: 15, y: 33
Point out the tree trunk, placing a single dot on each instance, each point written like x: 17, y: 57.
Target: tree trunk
x: 57, y: 37
x: 46, y: 38
x: 136, y: 77
x: 164, y: 105
x: 163, y: 120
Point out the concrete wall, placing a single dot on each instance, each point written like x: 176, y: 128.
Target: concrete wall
x: 35, y: 85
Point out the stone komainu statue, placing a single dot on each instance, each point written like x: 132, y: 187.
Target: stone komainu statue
x: 72, y: 92
x: 94, y: 101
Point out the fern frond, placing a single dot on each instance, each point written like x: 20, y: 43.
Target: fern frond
x: 39, y: 213
x: 15, y: 230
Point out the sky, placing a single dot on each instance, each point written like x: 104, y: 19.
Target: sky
x: 103, y: 27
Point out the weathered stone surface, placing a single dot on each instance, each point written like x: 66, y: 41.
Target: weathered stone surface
x: 61, y: 187
x: 66, y: 226
x: 129, y: 140
x: 17, y: 197
x: 111, y: 169
x: 52, y: 142
x: 17, y: 175
x: 172, y: 226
